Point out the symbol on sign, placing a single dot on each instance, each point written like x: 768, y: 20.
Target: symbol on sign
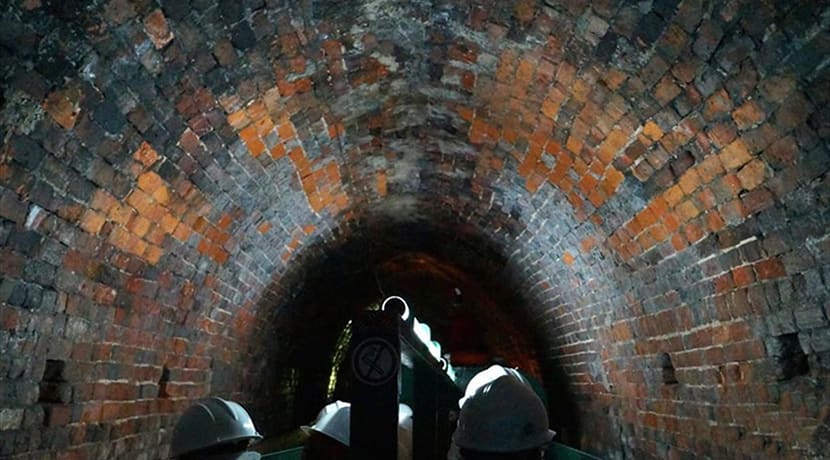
x: 374, y: 361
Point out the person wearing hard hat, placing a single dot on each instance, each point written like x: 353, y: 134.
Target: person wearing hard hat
x: 501, y: 418
x: 329, y: 433
x: 214, y: 429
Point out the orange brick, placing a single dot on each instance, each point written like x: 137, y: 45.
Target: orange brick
x: 612, y: 181
x: 714, y: 222
x: 646, y: 240
x: 297, y: 155
x: 251, y: 139
x: 341, y: 201
x: 102, y: 201
x: 567, y: 258
x: 286, y: 131
x: 707, y: 198
x: 278, y: 151
x: 596, y: 197
x: 146, y: 155
x: 257, y: 110
x: 153, y: 254
x: 480, y: 131
x: 225, y: 221
x: 155, y: 212
x: 550, y: 108
x: 169, y: 223
x: 465, y: 113
x: 238, y: 120
x: 136, y: 247
x: 155, y: 24
x: 678, y: 242
x: 693, y: 232
x: 139, y: 226
x: 333, y: 173
x: 722, y: 133
x: 553, y: 148
x: 658, y: 233
x: 219, y: 255
x: 615, y: 141
x: 141, y: 201
x: 671, y: 221
x: 673, y: 195
x: 652, y: 130
x: 121, y: 214
x: 718, y: 104
x: 91, y: 221
x: 314, y: 201
x: 687, y: 210
x: 748, y: 115
x: 574, y: 145
x: 150, y: 182
x: 587, y: 244
x: 689, y: 181
x: 658, y: 207
x: 645, y: 218
x: 264, y: 227
x: 156, y: 235
x: 743, y: 276
x: 587, y: 184
x: 752, y: 174
x: 264, y: 126
x: 666, y: 90
x: 204, y: 246
x: 119, y: 237
x: 182, y: 232
x: 597, y: 168
x: 162, y: 195
x: 709, y: 169
x: 735, y: 155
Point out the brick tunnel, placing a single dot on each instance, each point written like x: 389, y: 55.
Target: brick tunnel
x: 196, y: 195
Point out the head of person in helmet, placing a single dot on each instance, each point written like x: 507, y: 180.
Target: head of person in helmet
x: 329, y: 434
x: 503, y: 419
x: 214, y: 429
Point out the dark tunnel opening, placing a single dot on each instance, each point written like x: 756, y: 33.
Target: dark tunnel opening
x: 428, y: 266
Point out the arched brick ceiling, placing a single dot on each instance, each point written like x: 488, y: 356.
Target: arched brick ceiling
x: 646, y: 177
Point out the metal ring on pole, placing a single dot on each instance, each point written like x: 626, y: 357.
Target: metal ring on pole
x: 405, y: 314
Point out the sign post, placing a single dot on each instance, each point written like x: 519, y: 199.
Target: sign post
x: 375, y: 364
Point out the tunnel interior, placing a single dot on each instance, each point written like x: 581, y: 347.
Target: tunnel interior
x: 196, y: 196
x: 452, y: 281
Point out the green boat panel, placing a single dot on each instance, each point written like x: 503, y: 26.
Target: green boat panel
x: 289, y: 454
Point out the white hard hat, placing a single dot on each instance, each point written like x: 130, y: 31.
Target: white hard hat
x: 404, y: 432
x: 211, y: 423
x: 333, y: 421
x: 486, y: 376
x: 503, y: 416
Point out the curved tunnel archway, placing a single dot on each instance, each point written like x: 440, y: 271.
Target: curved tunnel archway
x: 340, y: 278
x: 645, y: 180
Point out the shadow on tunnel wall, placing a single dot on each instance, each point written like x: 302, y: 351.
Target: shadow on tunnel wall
x: 562, y: 407
x: 328, y: 281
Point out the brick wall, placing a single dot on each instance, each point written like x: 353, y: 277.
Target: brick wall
x: 649, y: 180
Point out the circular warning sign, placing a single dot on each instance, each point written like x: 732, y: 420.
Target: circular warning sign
x: 375, y: 361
